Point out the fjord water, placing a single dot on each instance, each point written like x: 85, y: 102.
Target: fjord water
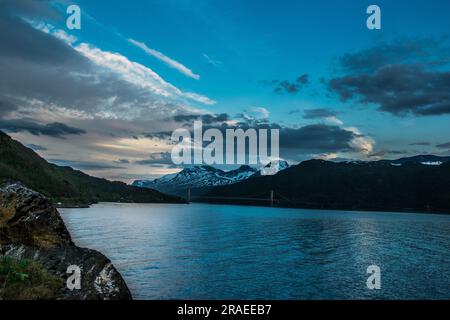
x: 200, y: 251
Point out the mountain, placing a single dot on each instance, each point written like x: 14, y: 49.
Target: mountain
x: 198, y: 178
x: 378, y: 185
x: 427, y: 159
x: 64, y: 184
x: 272, y: 168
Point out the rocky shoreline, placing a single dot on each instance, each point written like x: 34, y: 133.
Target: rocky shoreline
x: 32, y: 231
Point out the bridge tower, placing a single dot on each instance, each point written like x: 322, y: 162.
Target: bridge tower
x: 271, y: 198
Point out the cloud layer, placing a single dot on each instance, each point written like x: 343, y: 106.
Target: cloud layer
x: 287, y: 86
x: 401, y: 78
x: 170, y: 62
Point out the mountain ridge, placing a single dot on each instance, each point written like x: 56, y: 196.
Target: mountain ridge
x: 202, y: 178
x: 64, y: 184
x: 375, y: 186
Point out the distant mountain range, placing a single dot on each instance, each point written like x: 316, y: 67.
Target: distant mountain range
x: 64, y: 184
x: 201, y: 179
x: 427, y: 159
x: 420, y: 183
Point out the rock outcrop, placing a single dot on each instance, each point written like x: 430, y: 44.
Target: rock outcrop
x: 31, y: 229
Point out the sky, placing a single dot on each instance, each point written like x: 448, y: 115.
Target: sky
x: 104, y: 99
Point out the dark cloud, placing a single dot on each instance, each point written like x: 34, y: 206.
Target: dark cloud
x: 39, y: 70
x: 402, y: 77
x: 41, y: 8
x: 318, y: 113
x: 123, y: 161
x: 158, y: 135
x: 398, y: 89
x: 287, y: 86
x: 158, y: 158
x: 385, y: 152
x: 420, y: 143
x: 38, y: 66
x: 316, y: 138
x: 400, y: 50
x: 36, y: 147
x: 205, y: 118
x: 297, y: 142
x: 208, y: 121
x: 55, y: 129
x: 84, y: 165
x: 6, y: 106
x: 21, y: 43
x: 444, y: 146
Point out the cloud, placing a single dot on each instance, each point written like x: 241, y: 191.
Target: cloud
x: 170, y: 62
x: 36, y: 147
x: 254, y: 113
x: 296, y: 143
x: 420, y: 143
x: 28, y: 7
x: 328, y: 115
x: 161, y: 135
x: 384, y: 152
x: 211, y: 61
x: 137, y: 74
x: 364, y: 144
x: 123, y: 161
x: 56, y: 130
x: 318, y: 113
x: 48, y: 77
x: 84, y: 165
x: 397, y: 51
x: 41, y: 72
x: 205, y: 118
x: 316, y: 138
x: 398, y: 89
x: 444, y: 146
x: 287, y: 86
x: 161, y: 158
x: 404, y: 77
x: 6, y: 106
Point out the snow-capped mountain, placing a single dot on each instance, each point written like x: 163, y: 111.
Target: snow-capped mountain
x: 198, y: 177
x: 273, y: 167
x: 428, y: 159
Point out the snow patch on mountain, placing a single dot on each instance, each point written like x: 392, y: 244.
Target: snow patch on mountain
x: 207, y: 176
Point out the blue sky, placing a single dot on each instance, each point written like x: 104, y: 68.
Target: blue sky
x: 260, y: 40
x: 231, y: 52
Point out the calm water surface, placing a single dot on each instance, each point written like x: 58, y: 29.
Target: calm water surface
x: 201, y: 251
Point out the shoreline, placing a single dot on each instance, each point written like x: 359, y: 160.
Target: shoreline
x: 405, y: 211
x: 386, y: 210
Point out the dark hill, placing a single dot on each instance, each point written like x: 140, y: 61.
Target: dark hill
x: 378, y: 186
x: 64, y: 184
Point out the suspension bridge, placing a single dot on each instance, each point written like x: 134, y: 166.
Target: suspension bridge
x: 271, y: 198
